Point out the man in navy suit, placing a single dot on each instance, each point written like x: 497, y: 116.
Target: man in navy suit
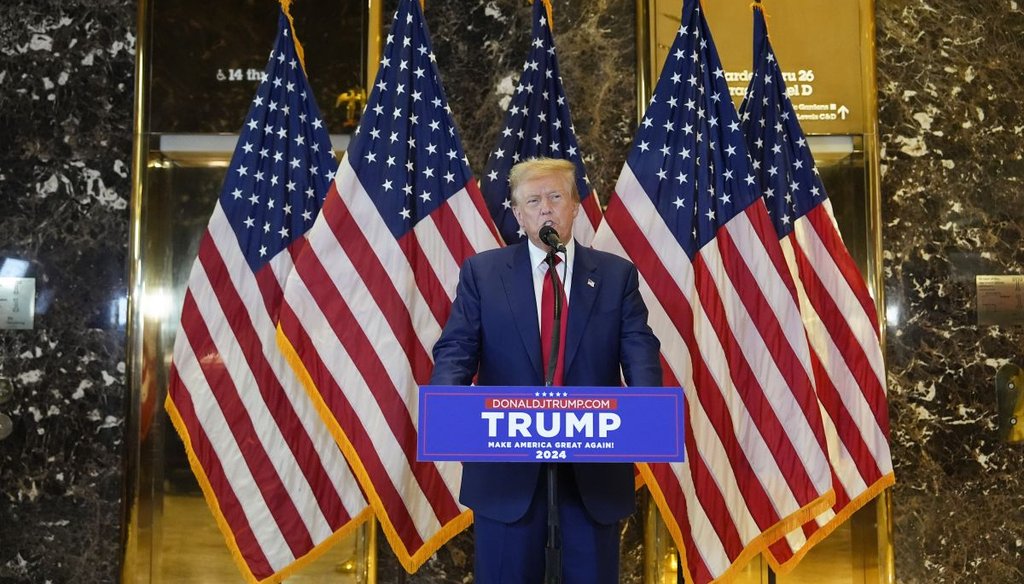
x: 493, y: 333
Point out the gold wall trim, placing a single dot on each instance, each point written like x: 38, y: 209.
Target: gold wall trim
x: 875, y: 277
x: 644, y: 51
x: 135, y: 540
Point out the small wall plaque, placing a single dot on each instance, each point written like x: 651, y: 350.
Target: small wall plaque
x: 17, y: 303
x: 1000, y: 299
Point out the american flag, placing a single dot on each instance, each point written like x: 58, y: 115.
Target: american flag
x: 687, y: 211
x: 537, y: 124
x: 276, y: 481
x: 371, y: 292
x: 837, y: 309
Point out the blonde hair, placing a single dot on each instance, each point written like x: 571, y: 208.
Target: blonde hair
x: 533, y: 167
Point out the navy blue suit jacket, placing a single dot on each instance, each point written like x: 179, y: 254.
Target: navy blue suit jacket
x: 493, y: 333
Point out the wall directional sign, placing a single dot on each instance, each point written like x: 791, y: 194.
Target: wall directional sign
x: 17, y: 303
x: 818, y: 44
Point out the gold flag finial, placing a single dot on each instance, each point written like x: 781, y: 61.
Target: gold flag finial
x: 756, y: 5
x: 286, y: 6
x: 547, y: 7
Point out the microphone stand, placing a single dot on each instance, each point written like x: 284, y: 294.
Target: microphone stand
x: 553, y: 551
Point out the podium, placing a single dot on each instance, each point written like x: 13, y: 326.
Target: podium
x: 550, y: 424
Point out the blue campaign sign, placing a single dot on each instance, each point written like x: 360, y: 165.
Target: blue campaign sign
x: 570, y: 424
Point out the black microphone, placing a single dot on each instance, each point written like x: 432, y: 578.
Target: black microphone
x: 550, y: 237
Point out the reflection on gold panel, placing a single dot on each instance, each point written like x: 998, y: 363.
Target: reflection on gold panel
x: 193, y: 551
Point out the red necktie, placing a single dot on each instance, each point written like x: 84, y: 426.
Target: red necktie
x: 547, y: 316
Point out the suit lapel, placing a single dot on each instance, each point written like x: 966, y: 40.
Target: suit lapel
x: 518, y: 282
x: 585, y: 285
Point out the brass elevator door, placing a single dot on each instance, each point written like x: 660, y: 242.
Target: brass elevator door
x: 198, y: 67
x: 179, y: 540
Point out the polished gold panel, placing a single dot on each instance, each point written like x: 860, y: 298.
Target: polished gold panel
x: 821, y: 57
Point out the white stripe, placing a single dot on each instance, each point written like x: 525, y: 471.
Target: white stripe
x: 766, y: 370
x: 441, y: 261
x: 236, y: 471
x: 837, y: 368
x: 671, y: 341
x: 385, y: 246
x: 582, y: 229
x: 849, y: 392
x: 360, y: 300
x: 772, y: 283
x: 343, y: 370
x: 478, y: 229
x: 706, y: 540
x: 271, y: 439
x: 248, y: 290
x: 846, y: 298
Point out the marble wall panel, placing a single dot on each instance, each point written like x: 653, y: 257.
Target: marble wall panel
x: 952, y: 132
x: 481, y: 46
x: 66, y: 93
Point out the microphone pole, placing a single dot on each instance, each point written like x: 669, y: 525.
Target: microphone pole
x: 553, y: 551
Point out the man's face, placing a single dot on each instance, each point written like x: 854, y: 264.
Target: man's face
x: 545, y: 200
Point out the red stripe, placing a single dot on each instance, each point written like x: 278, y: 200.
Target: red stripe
x: 341, y: 408
x: 224, y: 390
x: 842, y: 333
x: 227, y: 501
x: 374, y: 276
x: 481, y: 210
x: 769, y: 326
x: 352, y: 337
x: 592, y: 208
x: 790, y: 363
x: 745, y: 382
x: 272, y: 392
x: 832, y: 242
x: 781, y: 551
x: 677, y: 307
x: 846, y: 428
x: 708, y: 493
x: 434, y: 296
x: 761, y: 222
x: 454, y: 236
x: 708, y: 496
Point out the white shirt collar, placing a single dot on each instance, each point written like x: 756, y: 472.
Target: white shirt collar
x: 537, y: 254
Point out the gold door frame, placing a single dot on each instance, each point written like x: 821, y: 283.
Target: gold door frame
x: 147, y: 333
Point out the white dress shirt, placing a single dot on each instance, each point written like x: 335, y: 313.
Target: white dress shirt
x: 540, y: 271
